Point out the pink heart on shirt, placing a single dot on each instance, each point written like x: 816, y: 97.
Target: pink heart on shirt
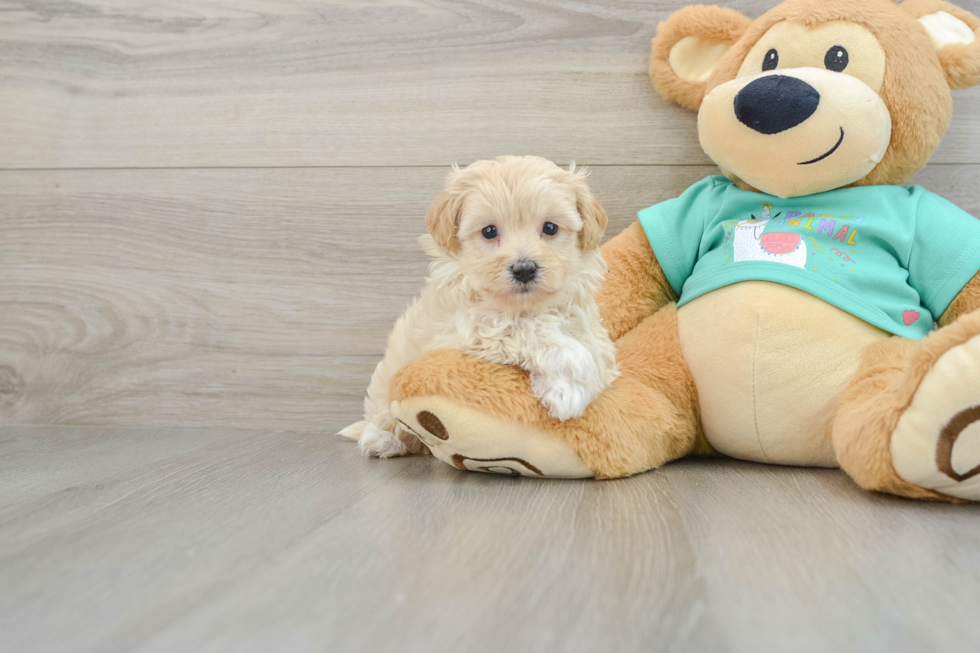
x: 909, y: 317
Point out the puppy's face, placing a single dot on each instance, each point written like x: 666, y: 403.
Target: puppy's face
x: 519, y: 246
x: 518, y: 227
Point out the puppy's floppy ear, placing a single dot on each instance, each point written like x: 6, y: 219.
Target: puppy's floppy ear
x: 687, y: 47
x: 954, y: 33
x: 442, y: 219
x: 594, y: 218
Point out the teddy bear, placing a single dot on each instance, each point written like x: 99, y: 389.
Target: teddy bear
x: 804, y: 307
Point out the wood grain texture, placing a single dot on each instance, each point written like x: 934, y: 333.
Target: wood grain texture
x: 232, y: 540
x: 275, y: 541
x: 237, y: 298
x: 804, y: 560
x: 103, y: 83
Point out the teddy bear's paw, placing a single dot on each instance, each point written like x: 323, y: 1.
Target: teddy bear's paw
x: 564, y: 399
x: 936, y: 443
x: 377, y: 443
x: 472, y: 440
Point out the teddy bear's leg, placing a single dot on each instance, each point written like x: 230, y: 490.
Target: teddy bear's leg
x: 909, y: 422
x: 475, y: 415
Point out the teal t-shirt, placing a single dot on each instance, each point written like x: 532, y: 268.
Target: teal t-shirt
x: 894, y: 257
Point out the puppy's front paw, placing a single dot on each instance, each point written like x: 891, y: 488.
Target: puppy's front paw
x: 571, y: 360
x: 563, y: 399
x: 380, y: 444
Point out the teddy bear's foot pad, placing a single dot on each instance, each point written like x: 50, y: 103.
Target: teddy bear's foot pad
x: 474, y: 441
x: 936, y: 444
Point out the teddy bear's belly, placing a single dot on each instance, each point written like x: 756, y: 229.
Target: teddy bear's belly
x: 769, y: 362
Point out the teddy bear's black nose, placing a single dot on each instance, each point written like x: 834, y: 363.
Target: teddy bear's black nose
x: 775, y: 103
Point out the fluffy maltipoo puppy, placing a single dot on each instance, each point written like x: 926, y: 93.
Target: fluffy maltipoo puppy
x: 515, y: 270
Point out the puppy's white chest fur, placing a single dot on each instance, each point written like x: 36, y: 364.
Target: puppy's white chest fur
x: 565, y: 348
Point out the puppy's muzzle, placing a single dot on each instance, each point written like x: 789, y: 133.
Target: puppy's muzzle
x: 524, y: 272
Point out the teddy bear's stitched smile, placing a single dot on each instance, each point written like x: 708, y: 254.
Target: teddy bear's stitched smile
x: 824, y: 156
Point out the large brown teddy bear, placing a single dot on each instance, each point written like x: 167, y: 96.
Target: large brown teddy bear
x: 784, y: 312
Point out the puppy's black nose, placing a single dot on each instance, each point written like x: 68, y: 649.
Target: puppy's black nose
x: 775, y: 103
x: 524, y: 271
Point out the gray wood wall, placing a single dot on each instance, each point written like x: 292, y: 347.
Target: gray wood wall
x: 209, y: 210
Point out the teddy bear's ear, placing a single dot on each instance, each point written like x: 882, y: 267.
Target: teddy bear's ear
x: 687, y: 47
x: 954, y: 32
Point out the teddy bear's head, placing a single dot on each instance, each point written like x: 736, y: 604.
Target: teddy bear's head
x: 819, y: 94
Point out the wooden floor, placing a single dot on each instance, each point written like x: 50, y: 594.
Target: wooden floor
x: 208, y: 223
x: 234, y: 540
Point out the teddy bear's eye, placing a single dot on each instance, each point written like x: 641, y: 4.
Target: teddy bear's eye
x: 836, y: 59
x: 771, y: 61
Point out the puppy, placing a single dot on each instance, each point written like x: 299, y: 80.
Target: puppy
x: 515, y: 270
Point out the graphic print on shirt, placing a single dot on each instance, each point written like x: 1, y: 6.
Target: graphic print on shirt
x: 752, y: 244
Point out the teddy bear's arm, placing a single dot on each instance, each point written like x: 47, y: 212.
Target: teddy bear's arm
x: 636, y: 286
x: 966, y: 302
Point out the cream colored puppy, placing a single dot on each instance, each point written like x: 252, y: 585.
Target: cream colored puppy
x: 515, y: 270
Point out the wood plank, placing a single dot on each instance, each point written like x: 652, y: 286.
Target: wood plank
x: 269, y: 541
x: 103, y: 83
x: 248, y: 298
x: 137, y: 538
x: 804, y: 560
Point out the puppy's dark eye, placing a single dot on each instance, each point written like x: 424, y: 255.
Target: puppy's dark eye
x: 549, y: 228
x: 836, y: 59
x: 490, y: 232
x: 771, y: 61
